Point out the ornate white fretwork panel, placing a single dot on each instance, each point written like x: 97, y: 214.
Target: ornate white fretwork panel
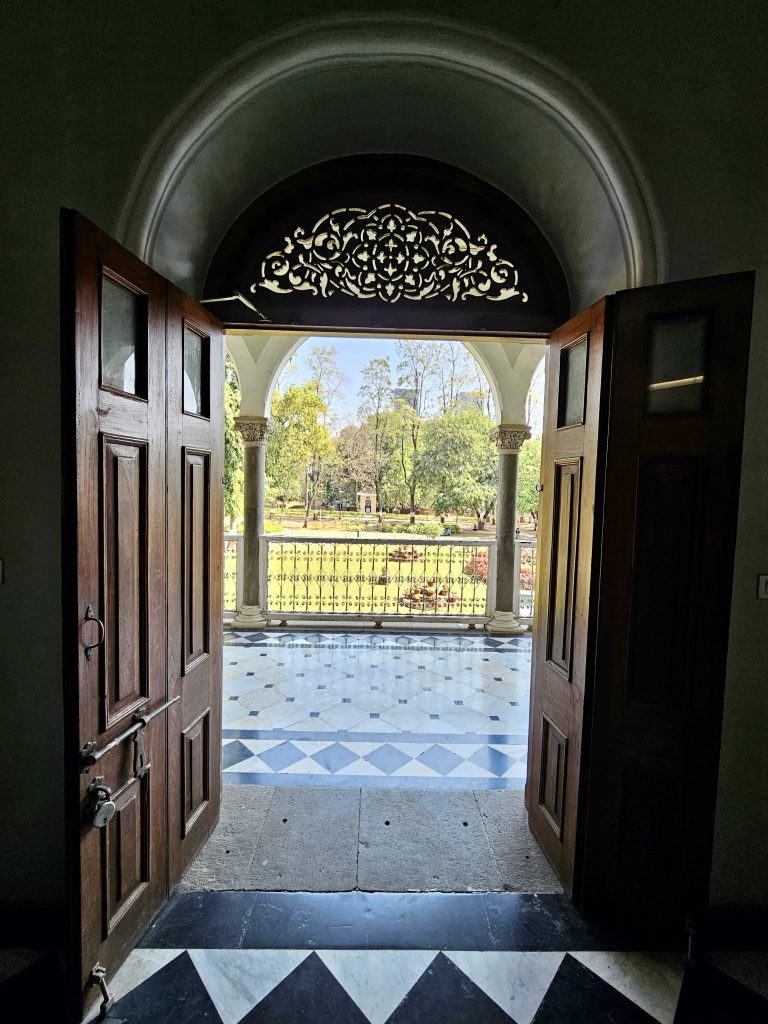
x: 390, y: 253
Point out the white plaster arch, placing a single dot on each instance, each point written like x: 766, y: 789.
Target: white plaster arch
x: 360, y: 83
x: 509, y: 366
x: 261, y: 357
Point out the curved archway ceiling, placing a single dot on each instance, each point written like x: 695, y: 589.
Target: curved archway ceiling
x: 394, y: 82
x: 390, y: 242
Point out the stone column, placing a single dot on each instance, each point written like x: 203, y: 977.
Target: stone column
x: 509, y: 439
x: 254, y: 431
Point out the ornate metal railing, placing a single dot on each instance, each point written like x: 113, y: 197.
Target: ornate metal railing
x: 525, y: 573
x: 233, y: 576
x: 358, y: 578
x: 378, y: 579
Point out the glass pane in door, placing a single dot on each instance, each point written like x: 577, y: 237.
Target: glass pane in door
x: 676, y: 365
x: 573, y: 384
x: 195, y: 372
x: 123, y: 337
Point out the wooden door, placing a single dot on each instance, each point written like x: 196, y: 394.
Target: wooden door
x: 562, y: 652
x: 195, y: 449
x: 640, y: 474
x: 121, y: 392
x: 673, y: 458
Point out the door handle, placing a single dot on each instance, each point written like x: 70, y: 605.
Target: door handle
x: 90, y: 617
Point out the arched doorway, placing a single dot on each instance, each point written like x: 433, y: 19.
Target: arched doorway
x: 333, y: 86
x: 426, y: 712
x: 598, y: 221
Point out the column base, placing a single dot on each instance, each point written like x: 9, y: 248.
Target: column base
x: 250, y: 616
x: 505, y: 624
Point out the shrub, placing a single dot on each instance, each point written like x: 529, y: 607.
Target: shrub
x: 414, y: 529
x: 426, y: 529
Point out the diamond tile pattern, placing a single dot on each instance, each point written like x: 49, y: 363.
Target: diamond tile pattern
x: 466, y: 697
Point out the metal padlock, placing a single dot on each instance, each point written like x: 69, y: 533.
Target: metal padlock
x: 104, y: 809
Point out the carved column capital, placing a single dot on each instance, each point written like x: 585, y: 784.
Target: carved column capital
x: 509, y: 437
x: 254, y: 429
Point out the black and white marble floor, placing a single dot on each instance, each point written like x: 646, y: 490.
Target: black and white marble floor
x: 372, y: 709
x: 357, y: 958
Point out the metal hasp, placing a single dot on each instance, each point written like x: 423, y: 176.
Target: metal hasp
x: 90, y: 754
x: 98, y: 977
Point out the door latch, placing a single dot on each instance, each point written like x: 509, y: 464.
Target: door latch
x: 104, y: 806
x: 98, y: 977
x: 140, y: 763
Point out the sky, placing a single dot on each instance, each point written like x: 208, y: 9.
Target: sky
x: 351, y: 355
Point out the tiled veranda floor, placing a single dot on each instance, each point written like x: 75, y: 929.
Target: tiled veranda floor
x: 416, y: 958
x: 376, y: 709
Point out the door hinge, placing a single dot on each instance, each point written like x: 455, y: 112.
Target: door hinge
x: 98, y: 976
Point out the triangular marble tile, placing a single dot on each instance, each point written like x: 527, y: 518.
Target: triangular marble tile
x: 444, y: 993
x: 516, y: 981
x: 377, y: 980
x: 140, y: 965
x: 310, y: 993
x: 238, y: 979
x: 174, y: 993
x: 578, y: 996
x: 652, y: 980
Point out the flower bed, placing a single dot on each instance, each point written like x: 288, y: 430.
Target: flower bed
x: 477, y: 566
x: 428, y: 597
x: 405, y: 554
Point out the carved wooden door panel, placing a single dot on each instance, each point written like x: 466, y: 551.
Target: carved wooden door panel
x: 561, y: 656
x: 195, y: 517
x: 130, y: 505
x: 114, y: 354
x: 674, y: 429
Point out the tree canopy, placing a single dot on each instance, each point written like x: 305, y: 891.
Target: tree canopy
x: 528, y: 465
x: 420, y: 439
x: 298, y: 442
x: 460, y: 462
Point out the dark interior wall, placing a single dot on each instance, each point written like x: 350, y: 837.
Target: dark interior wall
x: 85, y: 85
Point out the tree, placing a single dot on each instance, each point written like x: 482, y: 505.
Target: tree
x: 417, y: 369
x: 298, y: 442
x: 355, y: 448
x: 324, y: 369
x: 528, y: 467
x: 461, y: 463
x: 375, y: 396
x: 453, y: 374
x: 233, y: 445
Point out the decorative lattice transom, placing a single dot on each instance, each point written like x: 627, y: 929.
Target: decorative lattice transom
x: 390, y: 253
